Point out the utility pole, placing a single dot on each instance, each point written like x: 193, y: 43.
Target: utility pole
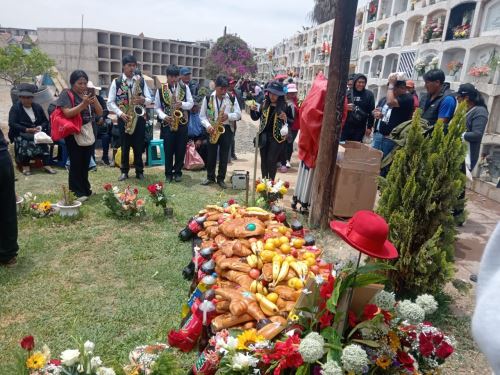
x: 324, y: 176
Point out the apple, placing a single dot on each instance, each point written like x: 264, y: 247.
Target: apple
x: 314, y: 269
x: 254, y: 273
x: 281, y: 217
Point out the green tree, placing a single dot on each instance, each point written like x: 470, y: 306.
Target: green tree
x: 17, y: 65
x: 323, y: 11
x: 418, y: 198
x: 230, y: 56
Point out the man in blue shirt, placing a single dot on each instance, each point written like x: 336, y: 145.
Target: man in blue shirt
x: 438, y: 103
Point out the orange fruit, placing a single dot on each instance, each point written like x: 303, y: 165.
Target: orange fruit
x: 284, y: 239
x: 285, y: 248
x: 273, y: 297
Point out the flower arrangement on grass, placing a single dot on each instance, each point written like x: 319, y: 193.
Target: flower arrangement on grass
x: 454, y: 66
x: 71, y: 362
x: 270, y: 191
x: 123, y: 204
x: 152, y: 359
x: 158, y: 195
x: 41, y: 209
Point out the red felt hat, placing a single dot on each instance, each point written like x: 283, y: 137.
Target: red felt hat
x: 367, y: 232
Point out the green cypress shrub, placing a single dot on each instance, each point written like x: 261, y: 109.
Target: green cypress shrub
x: 417, y: 200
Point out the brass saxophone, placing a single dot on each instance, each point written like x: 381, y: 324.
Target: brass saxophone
x: 177, y: 114
x: 133, y: 111
x: 219, y: 126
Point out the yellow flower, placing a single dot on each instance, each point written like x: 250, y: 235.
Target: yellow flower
x: 394, y: 341
x: 283, y: 190
x: 383, y: 362
x: 247, y: 338
x: 36, y: 361
x: 260, y: 187
x: 45, y: 206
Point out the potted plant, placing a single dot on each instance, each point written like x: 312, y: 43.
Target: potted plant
x: 19, y: 204
x: 68, y: 205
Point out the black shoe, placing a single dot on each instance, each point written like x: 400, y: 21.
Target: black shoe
x: 123, y: 177
x: 222, y: 184
x: 139, y: 176
x: 234, y: 157
x: 178, y: 179
x: 169, y: 178
x: 473, y: 278
x: 208, y: 182
x: 9, y: 263
x: 106, y: 162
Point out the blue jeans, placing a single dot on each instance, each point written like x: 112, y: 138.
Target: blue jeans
x: 384, y: 144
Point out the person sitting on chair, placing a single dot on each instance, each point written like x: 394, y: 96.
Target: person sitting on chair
x: 25, y: 120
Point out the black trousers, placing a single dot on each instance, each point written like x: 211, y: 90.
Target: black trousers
x: 232, y: 152
x: 174, y: 144
x: 134, y: 141
x: 270, y: 155
x: 287, y: 154
x: 352, y: 132
x: 78, y: 180
x: 8, y: 214
x: 222, y: 147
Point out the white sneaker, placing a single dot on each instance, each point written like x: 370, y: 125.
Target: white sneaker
x: 82, y: 199
x: 288, y: 165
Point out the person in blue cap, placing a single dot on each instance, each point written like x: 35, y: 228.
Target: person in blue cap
x: 191, y: 83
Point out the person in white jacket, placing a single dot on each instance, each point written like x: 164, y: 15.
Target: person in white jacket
x: 218, y: 101
x: 486, y: 319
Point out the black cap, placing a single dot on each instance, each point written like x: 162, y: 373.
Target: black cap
x: 466, y: 89
x: 129, y: 59
x: 275, y: 88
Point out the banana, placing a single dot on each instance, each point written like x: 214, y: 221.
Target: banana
x: 253, y: 286
x: 265, y: 291
x: 253, y: 247
x: 256, y: 209
x: 283, y: 272
x: 266, y: 311
x: 260, y: 287
x: 260, y: 246
x: 252, y: 260
x: 260, y: 264
x: 264, y: 303
x: 276, y: 270
x: 297, y: 268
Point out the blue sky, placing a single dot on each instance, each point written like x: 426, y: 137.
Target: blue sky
x: 262, y: 23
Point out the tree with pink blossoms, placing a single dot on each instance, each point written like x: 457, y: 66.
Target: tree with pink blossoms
x: 230, y: 56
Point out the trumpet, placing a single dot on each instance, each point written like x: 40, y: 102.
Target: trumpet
x: 218, y: 127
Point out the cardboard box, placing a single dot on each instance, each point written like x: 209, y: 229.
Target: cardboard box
x: 357, y: 169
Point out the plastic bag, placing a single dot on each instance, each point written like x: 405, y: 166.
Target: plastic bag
x: 118, y: 157
x: 192, y: 160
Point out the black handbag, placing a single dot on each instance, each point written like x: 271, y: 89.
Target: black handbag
x: 262, y: 140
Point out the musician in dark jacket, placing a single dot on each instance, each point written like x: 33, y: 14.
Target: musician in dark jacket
x: 25, y: 120
x: 361, y: 103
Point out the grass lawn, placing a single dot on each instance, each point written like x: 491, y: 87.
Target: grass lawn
x: 117, y: 283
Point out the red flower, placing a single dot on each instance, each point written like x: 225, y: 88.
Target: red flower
x: 231, y: 201
x: 326, y: 289
x: 28, y: 343
x: 353, y: 320
x: 405, y: 359
x: 152, y: 189
x: 108, y: 186
x: 444, y: 350
x: 55, y: 362
x: 437, y: 338
x: 286, y: 354
x: 325, y: 320
x: 136, y: 191
x: 286, y: 184
x: 371, y: 311
x: 387, y: 316
x: 425, y: 345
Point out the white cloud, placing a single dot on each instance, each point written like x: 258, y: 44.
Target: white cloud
x: 259, y: 22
